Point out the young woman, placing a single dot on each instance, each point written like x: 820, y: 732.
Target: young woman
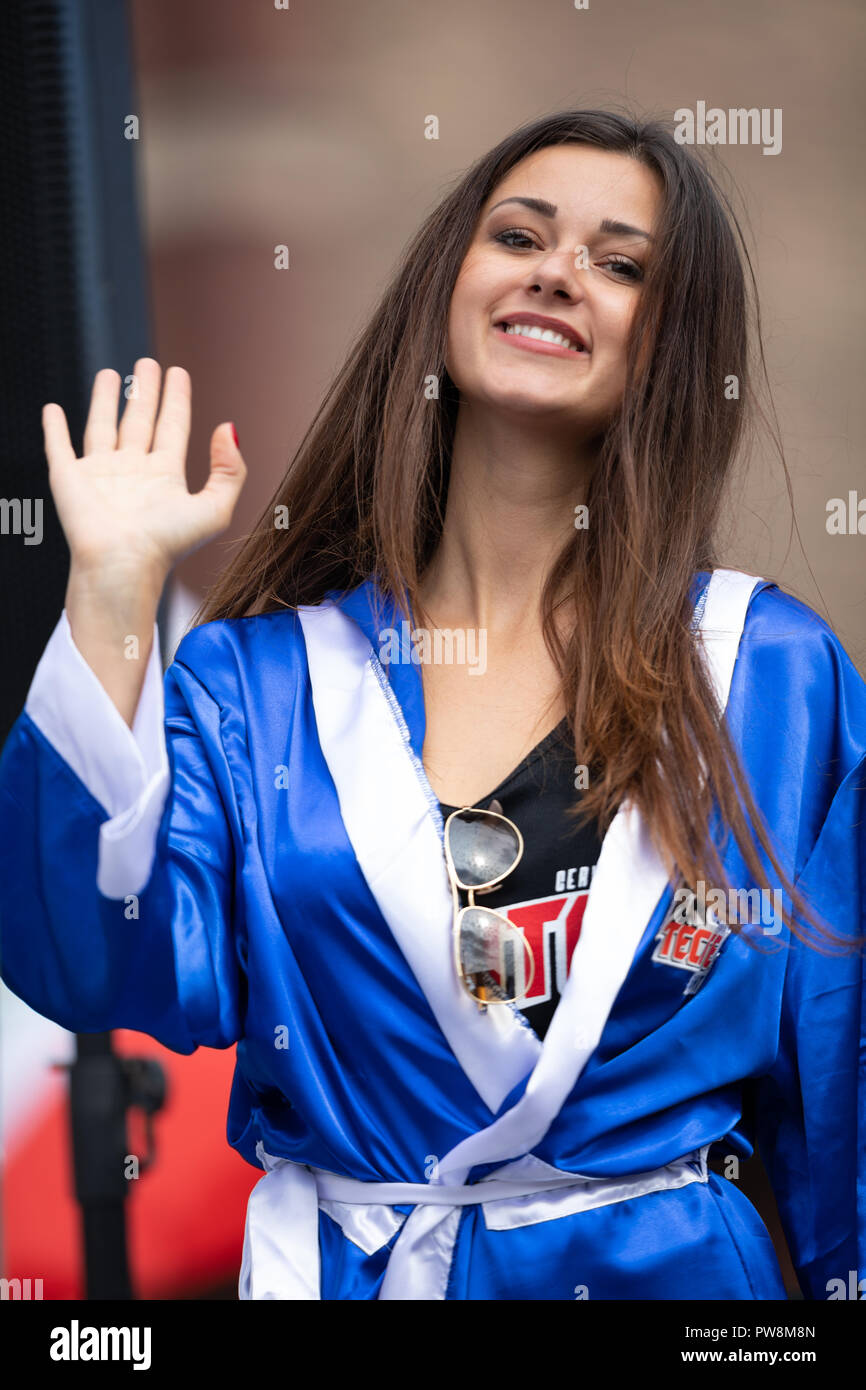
x: 485, y: 1044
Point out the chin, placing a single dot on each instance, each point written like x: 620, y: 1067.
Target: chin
x: 517, y: 398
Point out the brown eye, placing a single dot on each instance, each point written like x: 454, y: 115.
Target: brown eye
x: 515, y: 232
x: 623, y: 267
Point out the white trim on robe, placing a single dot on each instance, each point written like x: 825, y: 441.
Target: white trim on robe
x: 387, y: 814
x: 125, y: 769
x: 721, y: 626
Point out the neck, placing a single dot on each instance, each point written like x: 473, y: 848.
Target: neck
x: 511, y: 498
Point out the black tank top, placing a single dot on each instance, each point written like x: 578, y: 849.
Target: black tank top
x: 545, y: 896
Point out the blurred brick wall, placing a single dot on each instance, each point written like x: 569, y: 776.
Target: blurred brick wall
x: 306, y: 127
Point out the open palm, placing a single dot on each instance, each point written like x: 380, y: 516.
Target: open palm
x: 125, y: 504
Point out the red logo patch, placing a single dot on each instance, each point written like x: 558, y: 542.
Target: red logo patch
x: 690, y: 946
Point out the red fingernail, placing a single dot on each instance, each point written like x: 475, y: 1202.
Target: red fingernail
x: 237, y: 441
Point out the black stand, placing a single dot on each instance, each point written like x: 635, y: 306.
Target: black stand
x: 102, y: 1088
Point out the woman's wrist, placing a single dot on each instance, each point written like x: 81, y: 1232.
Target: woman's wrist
x: 111, y: 612
x: 114, y: 595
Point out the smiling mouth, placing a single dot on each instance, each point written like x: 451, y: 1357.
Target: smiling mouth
x: 526, y: 334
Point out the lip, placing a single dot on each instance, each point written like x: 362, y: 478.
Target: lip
x: 534, y: 344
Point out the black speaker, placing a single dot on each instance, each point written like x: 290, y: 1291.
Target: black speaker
x: 72, y: 280
x: 72, y: 300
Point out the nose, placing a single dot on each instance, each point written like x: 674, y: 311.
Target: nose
x: 557, y: 274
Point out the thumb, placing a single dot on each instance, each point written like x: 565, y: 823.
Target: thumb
x: 227, y: 469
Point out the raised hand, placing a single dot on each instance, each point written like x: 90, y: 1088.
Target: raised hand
x: 125, y: 506
x: 128, y: 515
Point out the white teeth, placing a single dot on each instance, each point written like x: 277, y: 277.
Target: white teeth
x: 545, y: 335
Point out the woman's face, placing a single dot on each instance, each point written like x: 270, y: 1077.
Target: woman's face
x: 577, y: 255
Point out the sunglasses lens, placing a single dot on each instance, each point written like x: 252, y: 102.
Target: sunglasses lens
x: 483, y: 847
x: 491, y: 946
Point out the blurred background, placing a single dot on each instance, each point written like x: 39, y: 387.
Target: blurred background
x: 304, y: 125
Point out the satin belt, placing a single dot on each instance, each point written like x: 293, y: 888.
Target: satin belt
x: 281, y: 1257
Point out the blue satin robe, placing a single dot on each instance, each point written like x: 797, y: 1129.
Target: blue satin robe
x: 257, y: 922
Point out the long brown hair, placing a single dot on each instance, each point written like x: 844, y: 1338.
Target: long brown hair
x: 365, y: 495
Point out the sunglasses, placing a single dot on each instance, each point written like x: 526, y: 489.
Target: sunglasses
x: 481, y: 849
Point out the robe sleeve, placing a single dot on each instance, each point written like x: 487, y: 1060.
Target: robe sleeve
x: 811, y: 1108
x: 117, y: 856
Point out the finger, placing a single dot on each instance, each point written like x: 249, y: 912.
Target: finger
x: 172, y: 428
x: 227, y: 472
x: 55, y: 430
x: 100, y: 432
x: 136, y: 424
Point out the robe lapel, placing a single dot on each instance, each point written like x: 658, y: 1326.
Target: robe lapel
x: 388, y: 809
x: 372, y: 743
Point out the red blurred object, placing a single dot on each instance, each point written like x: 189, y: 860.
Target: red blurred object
x: 185, y: 1215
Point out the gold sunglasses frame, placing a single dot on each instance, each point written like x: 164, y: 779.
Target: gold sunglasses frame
x: 477, y: 993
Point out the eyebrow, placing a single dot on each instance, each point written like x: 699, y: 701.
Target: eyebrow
x: 546, y: 209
